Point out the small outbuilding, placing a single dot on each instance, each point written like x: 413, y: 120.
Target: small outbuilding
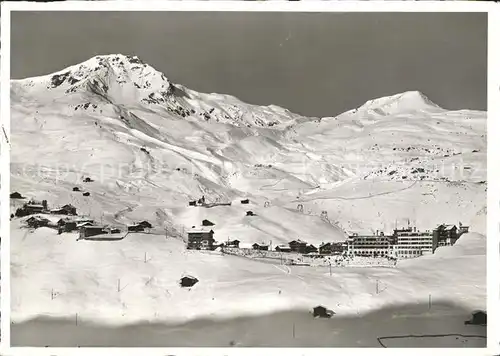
x: 260, y: 247
x: 90, y: 230
x: 86, y: 194
x: 30, y: 209
x: 16, y: 195
x: 322, y: 312
x: 67, y: 209
x: 298, y: 246
x: 88, y: 180
x: 245, y: 201
x: 478, y: 318
x: 234, y: 243
x: 250, y: 213
x: 76, y: 189
x: 311, y: 249
x: 37, y: 221
x: 145, y: 224
x: 325, y: 248
x: 188, y: 281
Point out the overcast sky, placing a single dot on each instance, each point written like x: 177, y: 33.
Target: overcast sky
x: 316, y: 64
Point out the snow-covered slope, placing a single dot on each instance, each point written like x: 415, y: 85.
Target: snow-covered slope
x: 152, y: 145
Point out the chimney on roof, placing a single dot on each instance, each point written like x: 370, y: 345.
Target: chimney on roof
x: 414, y: 229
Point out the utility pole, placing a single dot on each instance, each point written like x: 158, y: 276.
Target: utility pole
x: 430, y: 302
x: 330, y: 263
x: 377, y: 287
x: 118, y: 284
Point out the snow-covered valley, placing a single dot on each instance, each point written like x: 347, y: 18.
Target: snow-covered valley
x: 151, y: 146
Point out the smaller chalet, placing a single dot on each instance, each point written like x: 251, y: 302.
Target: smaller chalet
x: 80, y: 224
x: 16, y: 195
x: 67, y: 209
x: 140, y: 227
x: 245, y: 201
x: 188, y: 281
x: 200, y: 238
x: 88, y: 180
x: 37, y: 221
x: 135, y: 228
x: 91, y: 230
x: 311, y: 249
x: 446, y: 235
x: 217, y: 244
x: 325, y: 248
x: 298, y: 246
x: 478, y: 318
x: 145, y: 224
x: 250, y: 213
x: 86, y: 194
x: 322, y: 312
x: 207, y: 223
x: 31, y: 208
x: 462, y: 229
x: 338, y: 248
x: 234, y: 243
x: 65, y: 225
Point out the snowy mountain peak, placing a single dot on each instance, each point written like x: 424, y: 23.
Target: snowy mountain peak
x: 402, y: 102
